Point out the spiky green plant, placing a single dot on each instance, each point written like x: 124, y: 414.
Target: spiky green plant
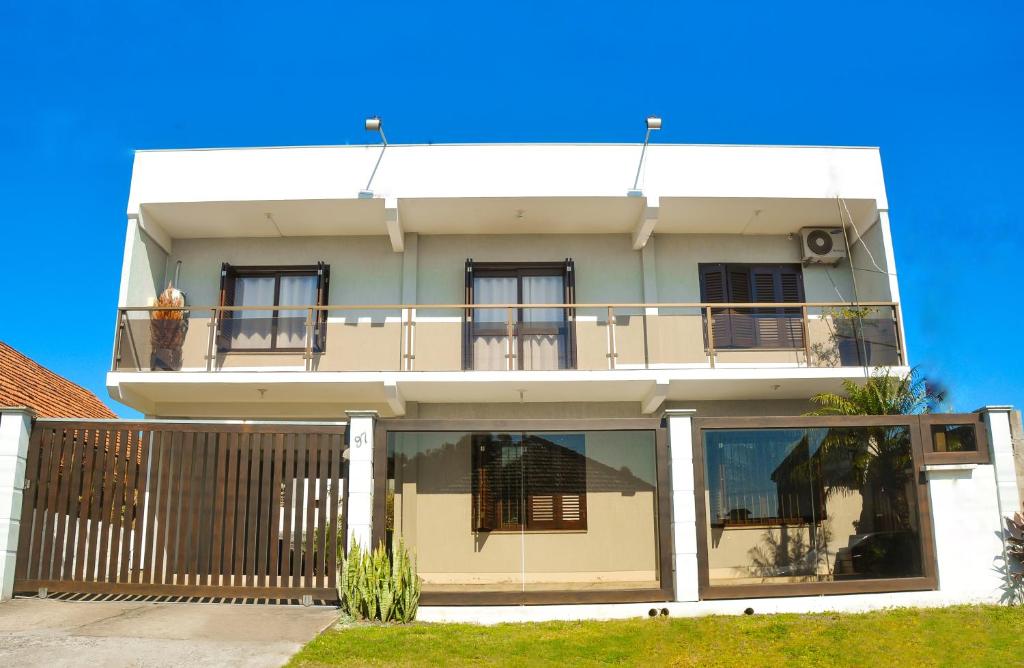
x: 884, y: 393
x: 378, y: 586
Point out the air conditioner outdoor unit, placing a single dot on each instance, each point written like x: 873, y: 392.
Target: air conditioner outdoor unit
x: 823, y: 245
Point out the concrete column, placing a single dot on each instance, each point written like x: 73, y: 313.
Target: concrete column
x: 684, y: 507
x: 1000, y: 439
x: 15, y: 426
x: 360, y: 476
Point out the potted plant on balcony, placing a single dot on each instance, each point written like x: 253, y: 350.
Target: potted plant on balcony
x: 167, y: 326
x: 852, y: 346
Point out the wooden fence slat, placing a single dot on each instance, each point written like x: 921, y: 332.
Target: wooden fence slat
x: 252, y: 512
x: 106, y: 504
x: 275, y: 511
x: 91, y: 438
x: 57, y: 446
x: 288, y: 477
x: 123, y: 554
x: 28, y: 504
x: 76, y: 464
x: 263, y: 517
x: 172, y: 509
x: 230, y: 510
x: 313, y: 449
x: 145, y: 447
x: 117, y: 506
x: 95, y: 503
x: 188, y: 458
x: 199, y: 498
x: 156, y: 522
x: 60, y: 511
x: 39, y: 509
x: 244, y: 457
x: 217, y: 518
x: 299, y: 503
x: 335, y: 499
x: 321, y: 512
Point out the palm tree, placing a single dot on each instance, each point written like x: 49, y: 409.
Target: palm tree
x: 875, y: 459
x: 884, y: 393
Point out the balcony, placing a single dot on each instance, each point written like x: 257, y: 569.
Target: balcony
x: 505, y: 338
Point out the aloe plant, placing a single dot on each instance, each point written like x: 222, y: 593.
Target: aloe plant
x: 1013, y: 535
x: 374, y: 585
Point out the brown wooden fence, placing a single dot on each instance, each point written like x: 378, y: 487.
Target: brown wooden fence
x: 182, y: 509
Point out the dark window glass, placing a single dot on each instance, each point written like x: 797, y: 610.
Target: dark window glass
x: 810, y: 505
x: 954, y: 438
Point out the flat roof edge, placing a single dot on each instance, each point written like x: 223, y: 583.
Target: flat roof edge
x: 455, y: 144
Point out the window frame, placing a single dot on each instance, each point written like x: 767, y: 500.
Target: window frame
x: 933, y: 457
x: 229, y: 277
x: 928, y: 580
x: 565, y: 269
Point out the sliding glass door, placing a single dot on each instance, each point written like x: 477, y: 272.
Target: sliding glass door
x: 523, y: 512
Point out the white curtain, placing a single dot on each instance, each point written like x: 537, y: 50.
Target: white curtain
x: 291, y: 324
x: 250, y: 330
x: 491, y: 345
x: 544, y: 351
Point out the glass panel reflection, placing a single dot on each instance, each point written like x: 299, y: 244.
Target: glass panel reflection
x: 521, y: 511
x: 810, y: 505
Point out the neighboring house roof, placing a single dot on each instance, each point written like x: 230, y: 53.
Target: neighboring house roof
x: 24, y: 382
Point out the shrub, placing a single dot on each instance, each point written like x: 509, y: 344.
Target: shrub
x: 1014, y: 541
x: 375, y: 585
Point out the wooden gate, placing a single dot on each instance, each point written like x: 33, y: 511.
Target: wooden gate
x: 182, y: 509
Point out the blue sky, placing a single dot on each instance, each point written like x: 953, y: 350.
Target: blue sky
x: 939, y: 86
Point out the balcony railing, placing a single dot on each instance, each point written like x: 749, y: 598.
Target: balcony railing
x: 499, y: 337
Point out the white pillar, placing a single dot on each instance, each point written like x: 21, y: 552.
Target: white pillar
x: 1000, y: 440
x: 15, y: 426
x: 684, y: 506
x: 360, y: 476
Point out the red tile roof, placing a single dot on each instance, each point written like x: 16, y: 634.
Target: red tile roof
x: 26, y: 383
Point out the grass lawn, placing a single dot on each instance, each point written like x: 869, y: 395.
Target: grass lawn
x: 961, y: 636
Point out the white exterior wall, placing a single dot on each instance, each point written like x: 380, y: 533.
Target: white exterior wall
x: 360, y: 477
x: 15, y: 426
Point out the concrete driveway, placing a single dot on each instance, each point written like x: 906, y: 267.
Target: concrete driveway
x: 36, y: 632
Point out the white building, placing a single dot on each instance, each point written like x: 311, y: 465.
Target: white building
x: 567, y: 381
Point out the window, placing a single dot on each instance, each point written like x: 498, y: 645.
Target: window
x: 541, y: 338
x: 954, y: 439
x: 814, y: 504
x: 272, y: 329
x: 529, y: 482
x: 765, y: 328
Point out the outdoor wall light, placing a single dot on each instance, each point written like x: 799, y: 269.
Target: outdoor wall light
x: 374, y: 124
x: 653, y: 123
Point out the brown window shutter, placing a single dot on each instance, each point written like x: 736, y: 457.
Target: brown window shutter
x: 323, y: 292
x: 227, y: 298
x: 467, y: 319
x: 714, y: 290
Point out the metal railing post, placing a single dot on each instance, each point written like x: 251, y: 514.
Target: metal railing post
x: 510, y: 332
x: 308, y: 354
x: 118, y: 333
x: 804, y: 328
x: 612, y: 351
x: 210, y: 354
x: 410, y: 345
